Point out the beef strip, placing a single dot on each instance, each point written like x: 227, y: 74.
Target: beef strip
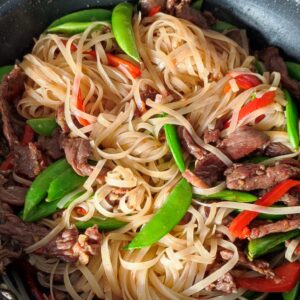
x: 212, y: 136
x: 274, y: 149
x: 279, y: 226
x: 11, y: 90
x: 292, y: 198
x: 248, y: 177
x: 257, y: 265
x: 223, y: 284
x: 275, y: 63
x: 52, y: 145
x: 28, y: 160
x: 13, y: 195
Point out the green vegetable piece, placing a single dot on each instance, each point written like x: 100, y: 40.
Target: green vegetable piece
x: 229, y: 196
x: 43, y: 126
x: 256, y: 159
x: 88, y: 15
x: 5, y: 70
x: 292, y: 295
x: 174, y: 144
x: 221, y: 26
x: 40, y: 185
x: 46, y: 209
x: 198, y: 4
x: 264, y: 245
x: 293, y: 69
x: 106, y: 224
x: 249, y: 295
x: 271, y: 217
x: 258, y: 66
x: 123, y: 31
x: 166, y: 218
x: 292, y: 120
x: 64, y: 183
x: 73, y: 27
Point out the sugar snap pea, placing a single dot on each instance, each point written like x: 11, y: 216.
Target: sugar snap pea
x: 39, y: 187
x: 87, y: 15
x: 43, y: 126
x: 105, y: 224
x: 293, y: 69
x: 5, y: 70
x: 230, y: 196
x: 166, y: 218
x: 73, y: 27
x: 123, y: 31
x: 197, y: 4
x: 293, y: 294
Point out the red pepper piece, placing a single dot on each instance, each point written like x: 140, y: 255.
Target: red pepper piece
x: 287, y: 276
x: 246, y: 81
x: 80, y: 106
x: 154, y: 10
x: 80, y: 211
x: 116, y: 61
x: 238, y: 226
x: 73, y: 47
x: 28, y: 135
x: 7, y: 163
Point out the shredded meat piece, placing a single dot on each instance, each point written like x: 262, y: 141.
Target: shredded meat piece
x: 224, y: 284
x: 147, y: 93
x: 292, y: 198
x: 70, y: 246
x: 276, y: 149
x: 28, y: 160
x: 279, y: 226
x: 248, y: 177
x: 275, y: 63
x: 257, y: 265
x: 13, y: 195
x: 11, y: 89
x: 212, y: 135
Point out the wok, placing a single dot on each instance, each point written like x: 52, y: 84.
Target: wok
x: 270, y: 22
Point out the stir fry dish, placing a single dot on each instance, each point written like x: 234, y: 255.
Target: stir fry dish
x: 148, y: 153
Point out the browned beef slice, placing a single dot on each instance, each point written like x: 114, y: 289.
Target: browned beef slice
x: 211, y: 135
x: 77, y: 151
x: 243, y: 141
x: 279, y: 226
x: 28, y: 160
x: 274, y: 62
x: 224, y: 284
x: 13, y: 195
x: 11, y: 89
x: 248, y: 177
x: 276, y: 149
x: 52, y: 145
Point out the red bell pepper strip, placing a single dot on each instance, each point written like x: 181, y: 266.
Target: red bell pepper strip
x: 154, y: 10
x: 116, y: 61
x: 73, y: 47
x: 238, y: 226
x: 28, y: 135
x: 80, y: 106
x: 244, y: 82
x: 265, y: 100
x: 7, y: 163
x: 286, y: 278
x: 80, y: 211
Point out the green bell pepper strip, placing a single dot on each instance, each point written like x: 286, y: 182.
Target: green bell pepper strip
x: 197, y: 4
x: 73, y: 27
x: 46, y: 209
x: 258, y: 66
x: 5, y: 70
x: 174, y: 144
x: 64, y: 183
x: 264, y: 245
x: 121, y: 21
x: 293, y: 294
x: 292, y: 120
x: 229, y: 196
x: 166, y: 218
x: 221, y: 26
x: 43, y: 126
x: 293, y: 69
x: 39, y: 187
x: 87, y: 15
x: 106, y: 224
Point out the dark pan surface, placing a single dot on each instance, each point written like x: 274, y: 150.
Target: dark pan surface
x: 275, y: 22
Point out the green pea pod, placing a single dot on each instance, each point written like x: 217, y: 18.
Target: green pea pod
x: 293, y: 69
x: 292, y: 120
x: 271, y: 217
x: 63, y: 184
x: 258, y: 66
x: 264, y: 245
x: 174, y: 144
x: 229, y: 196
x: 293, y: 294
x: 166, y: 218
x: 123, y: 31
x: 43, y: 126
x: 73, y: 27
x: 106, y: 224
x: 87, y: 15
x: 39, y: 187
x: 197, y: 4
x: 221, y: 26
x: 5, y: 70
x: 256, y: 159
x: 46, y: 209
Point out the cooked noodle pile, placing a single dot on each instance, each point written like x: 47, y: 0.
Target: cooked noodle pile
x: 189, y: 68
